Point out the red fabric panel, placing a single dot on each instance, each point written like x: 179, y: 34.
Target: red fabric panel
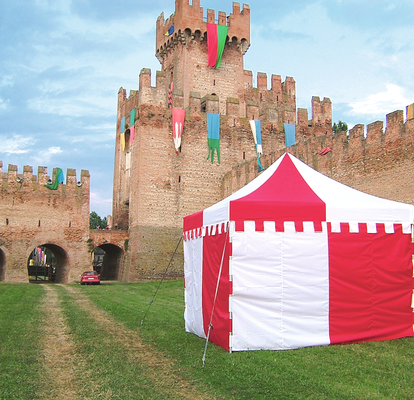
x: 239, y: 225
x: 259, y: 226
x: 193, y: 221
x: 212, y: 44
x: 280, y: 227
x: 299, y: 226
x: 285, y: 196
x: 212, y: 254
x: 370, y: 285
x: 132, y: 135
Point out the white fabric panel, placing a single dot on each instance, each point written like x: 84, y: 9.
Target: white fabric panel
x: 371, y: 227
x: 406, y: 229
x: 345, y: 204
x: 336, y: 227
x: 193, y: 273
x: 353, y: 227
x: 269, y: 226
x: 306, y: 289
x: 389, y: 228
x: 308, y: 226
x: 219, y: 212
x: 280, y: 290
x: 289, y: 226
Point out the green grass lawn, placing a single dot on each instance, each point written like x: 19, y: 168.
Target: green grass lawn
x: 377, y: 370
x: 20, y: 319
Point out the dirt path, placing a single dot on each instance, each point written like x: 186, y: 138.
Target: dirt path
x: 58, y: 351
x: 63, y: 364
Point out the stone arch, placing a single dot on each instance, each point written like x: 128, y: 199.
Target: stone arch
x: 197, y: 34
x: 244, y: 45
x: 2, y: 265
x: 60, y: 267
x: 111, y: 265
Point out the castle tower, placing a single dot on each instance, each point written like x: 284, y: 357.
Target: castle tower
x: 155, y: 186
x: 183, y: 51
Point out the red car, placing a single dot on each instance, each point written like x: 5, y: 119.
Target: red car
x: 90, y: 278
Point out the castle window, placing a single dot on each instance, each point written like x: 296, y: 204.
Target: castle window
x: 70, y: 224
x: 244, y: 155
x: 179, y: 179
x: 7, y: 221
x: 214, y: 82
x: 39, y: 223
x: 261, y: 96
x: 277, y: 98
x: 127, y: 140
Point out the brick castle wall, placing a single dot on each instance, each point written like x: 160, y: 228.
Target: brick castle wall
x: 32, y: 215
x: 154, y: 188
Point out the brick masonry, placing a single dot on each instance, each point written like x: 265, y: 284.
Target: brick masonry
x: 154, y: 188
x: 32, y: 215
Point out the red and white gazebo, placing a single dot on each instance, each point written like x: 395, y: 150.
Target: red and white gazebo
x: 297, y: 259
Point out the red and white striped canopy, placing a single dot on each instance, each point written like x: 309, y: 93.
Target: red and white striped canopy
x: 303, y: 260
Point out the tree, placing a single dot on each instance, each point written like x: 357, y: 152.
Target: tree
x: 340, y: 127
x: 95, y: 221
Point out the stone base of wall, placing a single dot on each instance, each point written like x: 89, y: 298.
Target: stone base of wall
x: 151, y: 250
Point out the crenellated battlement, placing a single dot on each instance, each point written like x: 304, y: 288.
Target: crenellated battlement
x: 395, y: 125
x: 189, y: 25
x: 359, y: 158
x: 276, y: 104
x: 27, y: 181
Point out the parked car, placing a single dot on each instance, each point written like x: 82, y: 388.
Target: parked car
x: 90, y: 278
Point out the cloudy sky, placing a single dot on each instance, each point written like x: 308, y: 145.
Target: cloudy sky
x: 62, y: 63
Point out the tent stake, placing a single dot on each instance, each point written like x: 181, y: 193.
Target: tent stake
x: 165, y: 273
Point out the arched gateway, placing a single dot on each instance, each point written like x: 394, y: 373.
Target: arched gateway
x: 109, y: 266
x: 48, y: 262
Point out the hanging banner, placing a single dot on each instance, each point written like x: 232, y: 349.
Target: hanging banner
x: 132, y: 126
x: 213, y: 127
x: 216, y: 40
x: 170, y: 91
x: 257, y: 136
x: 122, y: 135
x: 170, y: 31
x: 122, y: 140
x: 410, y: 112
x: 290, y: 134
x: 58, y: 180
x: 123, y: 125
x: 326, y: 150
x: 178, y: 116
